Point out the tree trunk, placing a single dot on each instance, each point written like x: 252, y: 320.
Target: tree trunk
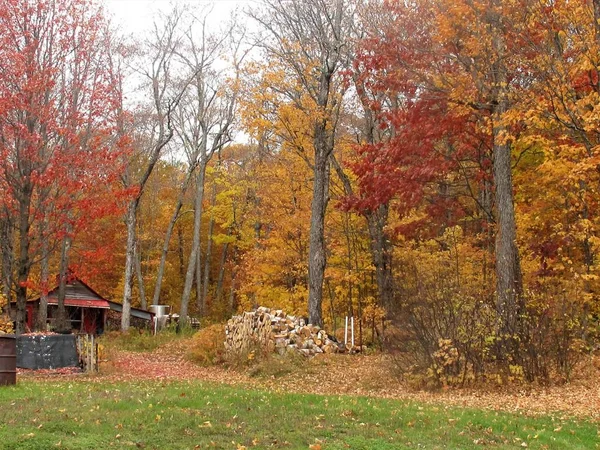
x: 140, y: 277
x: 6, y: 246
x: 198, y: 279
x: 381, y: 254
x: 180, y: 248
x: 232, y: 290
x: 169, y: 233
x: 508, y: 268
x: 596, y: 5
x: 130, y: 221
x: 42, y: 316
x: 189, y: 276
x: 23, y: 262
x: 207, y: 257
x: 317, y: 258
x: 221, y: 277
x: 62, y: 323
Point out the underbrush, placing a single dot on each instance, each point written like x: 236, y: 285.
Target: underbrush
x: 136, y: 340
x: 207, y: 346
x: 447, y: 328
x: 444, y: 333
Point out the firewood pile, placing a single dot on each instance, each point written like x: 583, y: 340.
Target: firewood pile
x: 274, y: 330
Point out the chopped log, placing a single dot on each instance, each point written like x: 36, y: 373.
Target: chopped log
x: 276, y: 331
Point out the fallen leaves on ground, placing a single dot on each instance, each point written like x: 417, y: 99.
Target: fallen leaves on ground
x: 363, y: 375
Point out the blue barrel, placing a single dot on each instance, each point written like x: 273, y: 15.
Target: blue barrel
x: 8, y: 359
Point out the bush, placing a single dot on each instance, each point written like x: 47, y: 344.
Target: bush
x: 444, y: 330
x: 207, y: 346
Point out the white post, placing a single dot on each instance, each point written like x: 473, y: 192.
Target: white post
x: 352, y: 321
x: 346, y: 332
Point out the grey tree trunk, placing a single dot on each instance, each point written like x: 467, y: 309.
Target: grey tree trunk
x: 317, y: 258
x: 221, y: 277
x: 62, y: 323
x: 207, y: 257
x: 165, y: 250
x: 508, y: 268
x: 130, y: 221
x: 180, y: 247
x: 596, y: 6
x: 42, y: 316
x: 232, y: 290
x: 381, y: 254
x: 189, y: 276
x: 198, y: 280
x: 140, y: 276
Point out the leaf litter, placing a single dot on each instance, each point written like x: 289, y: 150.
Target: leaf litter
x: 353, y: 375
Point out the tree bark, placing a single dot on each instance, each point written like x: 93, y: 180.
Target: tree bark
x: 198, y: 280
x: 131, y: 222
x: 23, y: 261
x: 42, y: 316
x: 232, y: 290
x: 62, y: 323
x: 189, y: 277
x: 140, y: 276
x: 6, y: 246
x: 180, y: 255
x: 508, y: 268
x: 221, y: 277
x: 165, y: 250
x: 317, y: 258
x: 207, y: 257
x: 381, y: 254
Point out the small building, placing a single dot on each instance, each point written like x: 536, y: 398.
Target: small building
x: 87, y: 310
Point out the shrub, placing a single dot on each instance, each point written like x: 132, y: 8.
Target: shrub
x: 207, y: 345
x: 444, y: 329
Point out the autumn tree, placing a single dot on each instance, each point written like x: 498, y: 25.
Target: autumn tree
x: 57, y: 116
x: 164, y: 91
x: 204, y: 120
x: 309, y: 39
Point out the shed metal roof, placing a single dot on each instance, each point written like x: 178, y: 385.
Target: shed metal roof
x: 77, y: 289
x: 81, y: 303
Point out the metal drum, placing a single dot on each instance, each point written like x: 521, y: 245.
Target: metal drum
x: 8, y: 359
x: 161, y: 313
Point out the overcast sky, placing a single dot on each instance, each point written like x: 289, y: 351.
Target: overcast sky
x: 133, y: 16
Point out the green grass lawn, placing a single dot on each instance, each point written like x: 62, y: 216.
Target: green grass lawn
x: 94, y: 414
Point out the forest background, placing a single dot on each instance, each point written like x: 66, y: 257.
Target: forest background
x: 430, y: 168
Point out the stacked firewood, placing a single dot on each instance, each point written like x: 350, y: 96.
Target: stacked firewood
x: 274, y: 330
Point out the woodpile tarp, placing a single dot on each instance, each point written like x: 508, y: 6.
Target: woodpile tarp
x: 52, y: 351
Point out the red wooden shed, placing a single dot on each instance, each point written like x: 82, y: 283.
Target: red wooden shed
x: 87, y: 310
